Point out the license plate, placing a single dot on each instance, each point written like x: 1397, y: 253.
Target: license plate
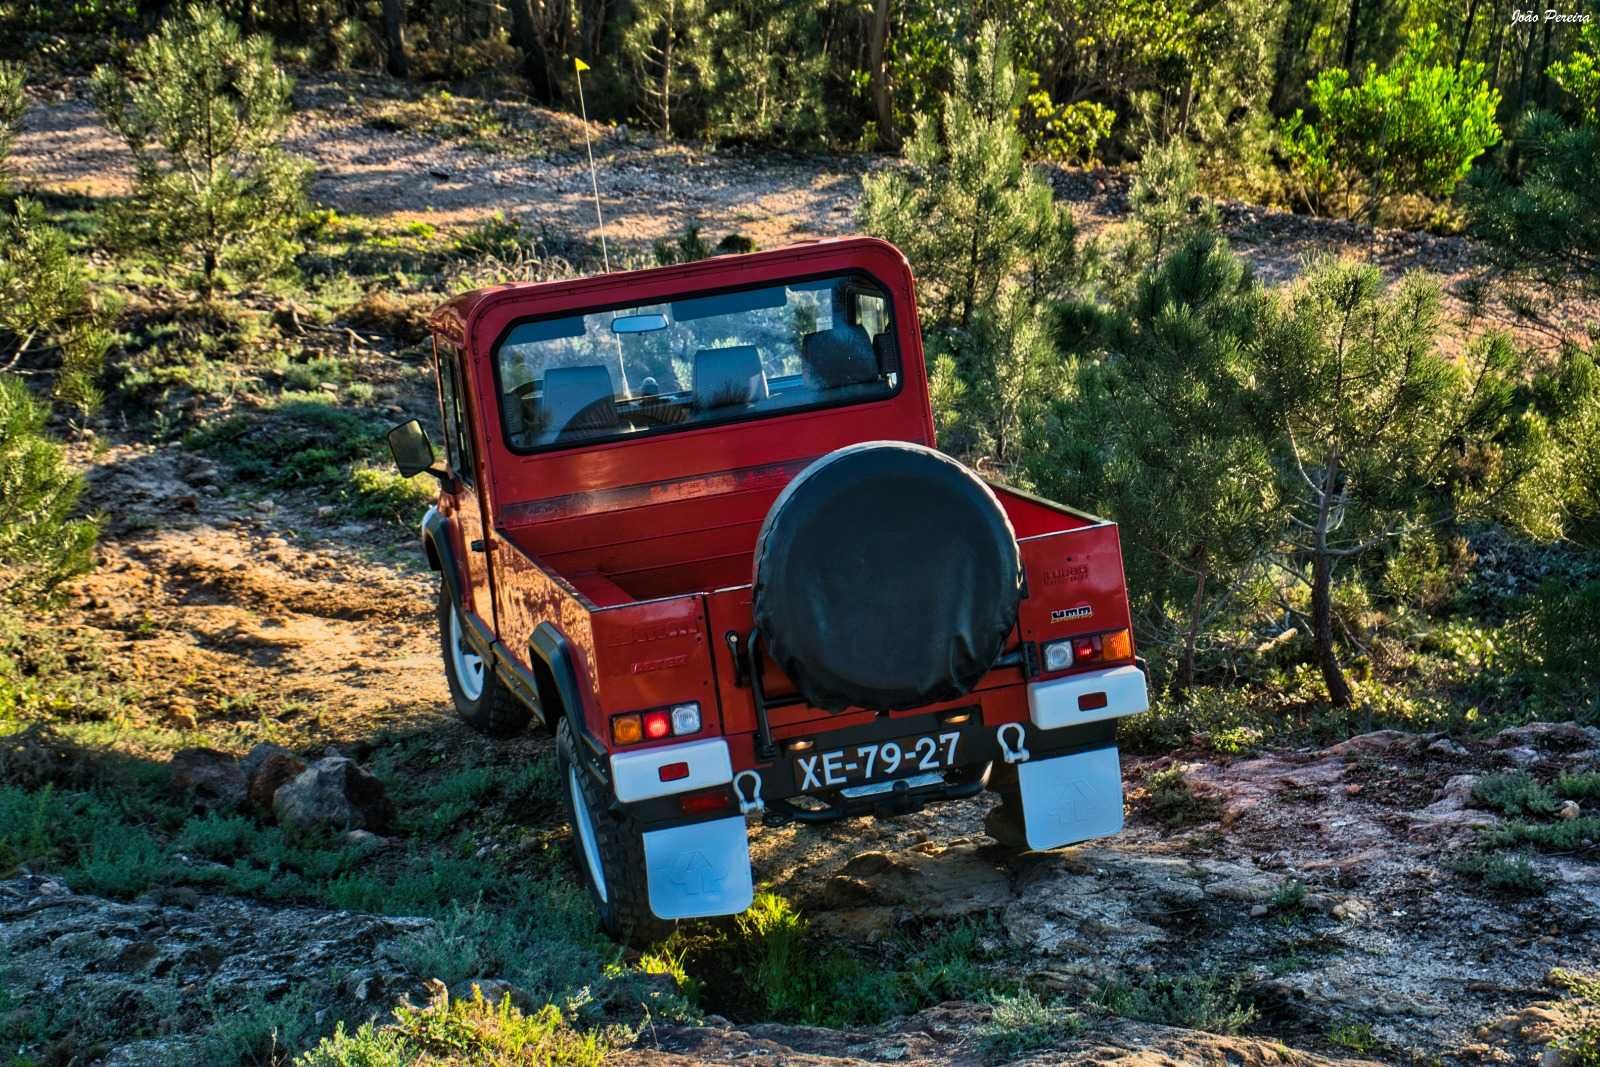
x: 876, y: 761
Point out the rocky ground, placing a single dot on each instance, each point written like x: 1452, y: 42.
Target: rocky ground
x: 230, y: 598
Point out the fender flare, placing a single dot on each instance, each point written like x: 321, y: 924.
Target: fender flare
x: 441, y: 553
x: 551, y: 655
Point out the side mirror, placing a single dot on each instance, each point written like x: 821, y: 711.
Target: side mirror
x: 412, y: 451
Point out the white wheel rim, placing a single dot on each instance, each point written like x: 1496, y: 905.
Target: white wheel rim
x: 584, y: 826
x: 468, y: 664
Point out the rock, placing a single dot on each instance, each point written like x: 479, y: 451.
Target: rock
x: 276, y: 771
x: 954, y: 882
x: 365, y: 839
x: 1568, y: 810
x: 1352, y: 910
x: 1446, y: 747
x: 1259, y: 910
x: 210, y: 779
x: 1372, y: 744
x: 1521, y: 756
x: 333, y: 794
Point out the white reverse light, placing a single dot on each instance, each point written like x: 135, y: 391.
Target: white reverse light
x: 1058, y: 656
x: 686, y: 719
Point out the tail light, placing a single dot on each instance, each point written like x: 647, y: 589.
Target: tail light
x: 653, y: 725
x: 1112, y: 647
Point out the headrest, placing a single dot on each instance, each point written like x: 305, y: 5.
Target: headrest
x: 578, y: 398
x: 724, y: 376
x: 840, y: 356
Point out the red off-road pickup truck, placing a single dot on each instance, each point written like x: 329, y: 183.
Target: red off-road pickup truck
x: 691, y: 520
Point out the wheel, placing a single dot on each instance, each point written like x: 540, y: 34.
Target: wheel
x: 1004, y: 820
x: 483, y: 701
x: 608, y: 850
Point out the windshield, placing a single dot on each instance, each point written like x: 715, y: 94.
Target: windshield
x: 686, y: 363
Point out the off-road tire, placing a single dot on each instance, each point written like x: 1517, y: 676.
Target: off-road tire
x: 1004, y: 820
x: 496, y: 712
x: 624, y: 904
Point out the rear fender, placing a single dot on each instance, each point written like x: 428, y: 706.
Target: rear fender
x: 556, y: 673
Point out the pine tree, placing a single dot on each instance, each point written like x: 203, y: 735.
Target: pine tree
x: 1544, y: 218
x: 1158, y: 434
x: 969, y: 214
x: 204, y: 112
x: 41, y: 544
x: 1379, y: 433
x: 12, y: 105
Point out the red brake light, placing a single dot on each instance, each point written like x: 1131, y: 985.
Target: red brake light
x: 657, y: 724
x: 1084, y: 649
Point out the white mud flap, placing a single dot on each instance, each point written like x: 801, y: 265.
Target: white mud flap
x: 1071, y: 798
x: 700, y: 870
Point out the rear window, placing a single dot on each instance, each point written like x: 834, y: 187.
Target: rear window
x: 680, y: 364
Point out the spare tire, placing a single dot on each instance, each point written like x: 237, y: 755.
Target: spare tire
x: 886, y: 576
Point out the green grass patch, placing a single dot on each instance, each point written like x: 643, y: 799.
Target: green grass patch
x: 1174, y: 803
x: 464, y: 1031
x: 1514, y: 793
x: 1357, y: 1037
x: 769, y: 964
x: 298, y: 444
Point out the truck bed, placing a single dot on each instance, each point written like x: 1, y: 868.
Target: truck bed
x: 587, y: 551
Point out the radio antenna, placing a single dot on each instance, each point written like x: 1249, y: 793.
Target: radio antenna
x: 594, y: 183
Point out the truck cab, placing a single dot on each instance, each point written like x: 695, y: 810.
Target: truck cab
x: 693, y: 522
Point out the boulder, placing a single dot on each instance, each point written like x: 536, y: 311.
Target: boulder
x: 211, y: 780
x: 333, y: 794
x: 266, y: 768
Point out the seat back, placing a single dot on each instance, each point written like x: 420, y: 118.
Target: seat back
x: 578, y: 398
x: 839, y: 357
x: 726, y: 376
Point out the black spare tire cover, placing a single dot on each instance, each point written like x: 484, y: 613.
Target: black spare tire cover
x: 887, y: 576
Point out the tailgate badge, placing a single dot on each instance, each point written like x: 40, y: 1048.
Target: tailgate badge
x: 1082, y: 611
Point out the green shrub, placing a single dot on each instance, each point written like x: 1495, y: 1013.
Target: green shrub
x: 1569, y: 835
x: 1198, y: 1001
x: 1514, y: 793
x: 203, y: 112
x: 1413, y: 129
x: 1512, y: 875
x: 1021, y: 1022
x: 297, y: 444
x: 1579, y: 785
x: 41, y: 542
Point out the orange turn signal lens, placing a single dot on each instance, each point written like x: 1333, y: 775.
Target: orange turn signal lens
x: 627, y: 730
x: 1117, y: 645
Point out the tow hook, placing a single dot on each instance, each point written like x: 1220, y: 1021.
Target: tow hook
x: 754, y: 803
x: 1012, y: 751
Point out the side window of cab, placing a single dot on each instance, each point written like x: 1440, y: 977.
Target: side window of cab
x: 457, y: 432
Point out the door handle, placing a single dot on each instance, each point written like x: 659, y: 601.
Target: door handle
x: 479, y: 546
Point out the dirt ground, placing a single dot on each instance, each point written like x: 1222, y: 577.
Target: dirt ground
x: 651, y: 190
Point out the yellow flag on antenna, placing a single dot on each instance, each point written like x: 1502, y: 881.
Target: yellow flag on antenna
x: 580, y: 64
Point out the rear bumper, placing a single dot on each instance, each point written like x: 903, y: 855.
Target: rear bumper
x: 1084, y: 698
x: 639, y: 776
